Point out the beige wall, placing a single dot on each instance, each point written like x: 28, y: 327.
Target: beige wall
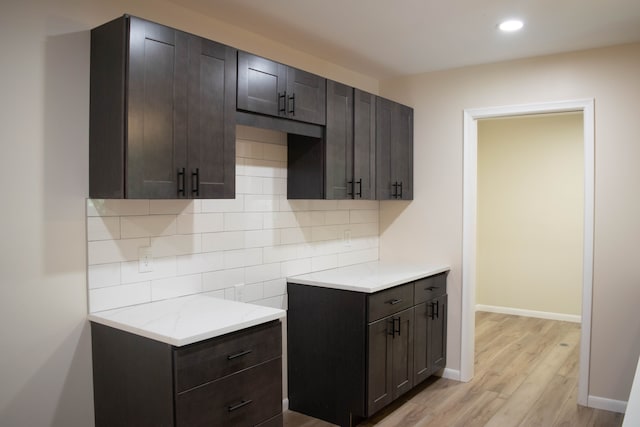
x: 530, y: 213
x: 430, y: 227
x: 45, y: 367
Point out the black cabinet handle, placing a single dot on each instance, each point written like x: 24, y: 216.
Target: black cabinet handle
x: 235, y: 356
x: 351, y: 184
x: 239, y: 405
x: 430, y: 288
x: 181, y: 190
x: 434, y: 310
x: 400, y: 195
x: 292, y: 102
x: 395, y: 190
x: 195, y: 182
x: 394, y: 301
x: 391, y: 322
x: 359, y: 193
x: 283, y: 97
x: 399, y: 326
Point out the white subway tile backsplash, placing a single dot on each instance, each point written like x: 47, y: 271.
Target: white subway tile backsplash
x: 223, y: 241
x: 324, y: 262
x: 242, y: 258
x: 222, y: 279
x: 200, y: 223
x: 200, y: 263
x: 296, y: 267
x: 224, y: 205
x: 173, y: 207
x: 117, y: 207
x: 261, y: 238
x: 275, y: 287
x: 261, y: 203
x: 176, y: 245
x: 276, y: 152
x: 108, y: 251
x: 162, y: 268
x: 261, y: 273
x: 102, y: 275
x: 176, y: 287
x: 148, y: 226
x: 119, y: 296
x: 243, y: 221
x: 103, y: 228
x: 238, y: 249
x: 363, y: 216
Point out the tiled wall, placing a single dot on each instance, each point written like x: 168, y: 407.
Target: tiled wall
x: 240, y: 249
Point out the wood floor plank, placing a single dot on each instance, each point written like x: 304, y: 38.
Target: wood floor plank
x: 545, y: 410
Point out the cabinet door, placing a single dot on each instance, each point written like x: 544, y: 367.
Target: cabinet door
x: 379, y: 381
x: 306, y: 96
x: 394, y: 150
x: 402, y: 353
x: 157, y: 110
x: 261, y: 85
x: 421, y: 343
x: 402, y: 150
x: 211, y: 125
x: 364, y: 145
x: 437, y: 334
x: 339, y: 142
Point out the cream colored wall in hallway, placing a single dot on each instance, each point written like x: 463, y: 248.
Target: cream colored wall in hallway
x: 430, y: 227
x: 530, y: 213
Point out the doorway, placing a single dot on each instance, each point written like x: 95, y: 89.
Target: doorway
x: 471, y: 117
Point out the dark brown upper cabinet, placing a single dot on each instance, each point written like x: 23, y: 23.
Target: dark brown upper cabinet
x: 350, y: 143
x: 270, y: 88
x: 161, y: 113
x: 394, y: 152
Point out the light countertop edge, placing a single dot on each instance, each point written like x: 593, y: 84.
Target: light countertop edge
x: 186, y: 320
x: 368, y: 277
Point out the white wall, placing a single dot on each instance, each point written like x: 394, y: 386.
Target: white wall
x: 530, y: 214
x: 45, y: 368
x: 240, y: 249
x: 431, y: 226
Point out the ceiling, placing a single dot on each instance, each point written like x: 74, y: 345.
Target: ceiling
x: 389, y: 38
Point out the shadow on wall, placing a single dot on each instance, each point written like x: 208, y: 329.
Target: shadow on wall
x: 67, y: 410
x: 66, y: 151
x: 390, y: 211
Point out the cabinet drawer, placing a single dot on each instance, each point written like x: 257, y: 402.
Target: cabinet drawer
x: 246, y: 398
x: 389, y: 301
x: 430, y: 287
x: 212, y: 359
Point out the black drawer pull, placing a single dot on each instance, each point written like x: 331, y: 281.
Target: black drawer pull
x: 235, y: 356
x: 431, y: 288
x: 394, y: 301
x: 181, y: 190
x: 239, y: 405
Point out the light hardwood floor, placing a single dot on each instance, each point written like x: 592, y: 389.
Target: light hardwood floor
x: 526, y: 374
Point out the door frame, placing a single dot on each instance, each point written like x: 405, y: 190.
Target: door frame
x: 469, y: 230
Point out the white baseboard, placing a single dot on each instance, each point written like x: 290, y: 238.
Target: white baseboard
x: 607, y: 404
x: 529, y: 313
x: 285, y: 404
x: 451, y: 374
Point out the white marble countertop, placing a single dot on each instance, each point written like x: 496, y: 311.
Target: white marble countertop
x: 186, y: 320
x: 368, y: 277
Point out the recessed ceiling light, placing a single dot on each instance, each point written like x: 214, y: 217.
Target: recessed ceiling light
x: 511, y: 25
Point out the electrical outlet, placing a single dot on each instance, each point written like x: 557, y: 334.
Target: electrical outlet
x: 145, y: 259
x: 239, y: 291
x: 346, y: 238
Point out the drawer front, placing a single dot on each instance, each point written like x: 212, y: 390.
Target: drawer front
x: 215, y: 358
x: 389, y: 301
x: 246, y: 398
x: 430, y: 287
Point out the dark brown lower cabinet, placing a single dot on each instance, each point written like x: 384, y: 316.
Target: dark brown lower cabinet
x: 232, y: 380
x: 351, y: 353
